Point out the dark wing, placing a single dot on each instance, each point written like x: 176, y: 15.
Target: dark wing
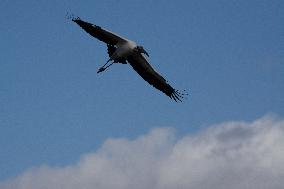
x: 99, y: 33
x: 145, y: 70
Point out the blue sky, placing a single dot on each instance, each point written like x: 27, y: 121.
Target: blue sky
x: 228, y: 55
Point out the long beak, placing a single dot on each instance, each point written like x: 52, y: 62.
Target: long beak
x: 145, y: 52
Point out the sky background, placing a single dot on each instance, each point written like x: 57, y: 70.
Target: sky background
x: 228, y: 55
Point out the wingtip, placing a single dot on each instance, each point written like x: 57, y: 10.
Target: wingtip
x: 71, y: 16
x: 178, y: 96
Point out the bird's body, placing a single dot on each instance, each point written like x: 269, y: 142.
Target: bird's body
x: 122, y: 50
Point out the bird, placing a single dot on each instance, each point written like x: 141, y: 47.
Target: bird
x: 122, y: 51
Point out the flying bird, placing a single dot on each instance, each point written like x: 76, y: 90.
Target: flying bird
x: 123, y: 51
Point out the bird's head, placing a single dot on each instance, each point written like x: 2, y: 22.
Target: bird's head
x: 141, y: 49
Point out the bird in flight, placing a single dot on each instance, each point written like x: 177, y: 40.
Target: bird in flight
x: 123, y: 51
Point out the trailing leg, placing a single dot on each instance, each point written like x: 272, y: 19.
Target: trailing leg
x: 104, y: 67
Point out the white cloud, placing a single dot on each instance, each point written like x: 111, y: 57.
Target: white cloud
x: 231, y: 155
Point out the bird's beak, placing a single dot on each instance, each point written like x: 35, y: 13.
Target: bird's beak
x: 145, y: 52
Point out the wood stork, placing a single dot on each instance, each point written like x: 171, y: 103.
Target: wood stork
x: 122, y: 50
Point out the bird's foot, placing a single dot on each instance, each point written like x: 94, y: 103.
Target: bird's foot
x: 101, y: 70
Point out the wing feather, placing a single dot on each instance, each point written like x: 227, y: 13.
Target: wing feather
x: 99, y: 33
x: 147, y: 72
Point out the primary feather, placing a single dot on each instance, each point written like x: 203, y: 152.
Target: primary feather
x: 147, y: 72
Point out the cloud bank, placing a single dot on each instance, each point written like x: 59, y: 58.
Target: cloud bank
x: 230, y: 155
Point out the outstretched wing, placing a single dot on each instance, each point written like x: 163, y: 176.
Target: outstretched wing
x: 99, y: 33
x: 145, y: 70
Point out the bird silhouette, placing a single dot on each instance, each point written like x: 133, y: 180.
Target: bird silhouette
x: 123, y: 51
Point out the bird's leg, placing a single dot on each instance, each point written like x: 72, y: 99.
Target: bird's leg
x: 103, y: 68
x: 106, y: 63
